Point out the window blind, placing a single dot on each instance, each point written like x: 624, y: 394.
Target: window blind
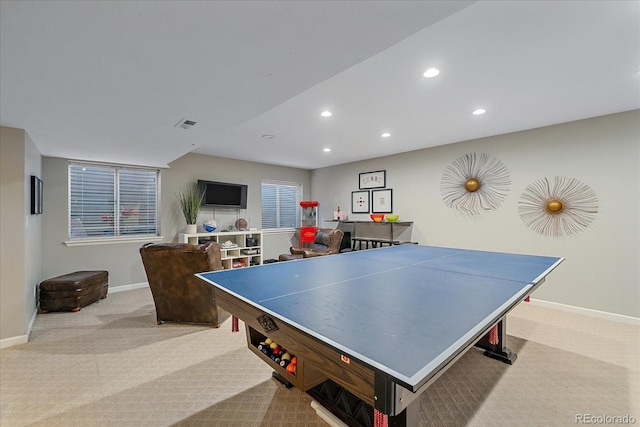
x: 107, y: 201
x: 280, y: 205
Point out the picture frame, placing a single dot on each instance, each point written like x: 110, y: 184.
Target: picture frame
x: 36, y: 195
x: 375, y: 179
x: 360, y: 202
x: 382, y: 201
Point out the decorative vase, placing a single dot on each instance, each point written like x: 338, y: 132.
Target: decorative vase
x: 191, y: 229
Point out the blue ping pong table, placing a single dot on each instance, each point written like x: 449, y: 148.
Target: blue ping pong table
x: 382, y: 324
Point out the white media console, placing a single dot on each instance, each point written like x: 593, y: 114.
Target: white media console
x: 243, y: 254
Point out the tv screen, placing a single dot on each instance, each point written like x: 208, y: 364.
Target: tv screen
x: 223, y: 195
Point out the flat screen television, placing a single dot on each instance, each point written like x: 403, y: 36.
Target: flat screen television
x: 223, y: 194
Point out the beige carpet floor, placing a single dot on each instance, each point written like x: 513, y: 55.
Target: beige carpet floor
x: 110, y: 364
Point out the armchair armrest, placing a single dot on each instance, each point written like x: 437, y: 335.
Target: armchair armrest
x: 296, y: 251
x: 306, y: 253
x: 311, y: 254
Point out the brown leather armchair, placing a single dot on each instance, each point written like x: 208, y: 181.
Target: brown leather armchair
x: 178, y: 295
x: 326, y: 242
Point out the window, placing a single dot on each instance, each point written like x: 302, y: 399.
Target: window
x: 280, y: 205
x: 112, y: 201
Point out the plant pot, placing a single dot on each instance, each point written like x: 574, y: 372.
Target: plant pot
x: 191, y: 229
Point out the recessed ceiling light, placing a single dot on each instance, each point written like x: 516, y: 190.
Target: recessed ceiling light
x: 326, y: 150
x: 326, y: 114
x: 479, y: 111
x: 431, y: 72
x: 385, y: 135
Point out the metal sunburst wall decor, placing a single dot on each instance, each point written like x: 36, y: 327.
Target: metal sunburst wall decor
x: 558, y: 207
x: 474, y: 183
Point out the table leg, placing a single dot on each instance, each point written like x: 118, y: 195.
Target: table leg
x: 407, y: 418
x: 498, y: 351
x: 356, y: 413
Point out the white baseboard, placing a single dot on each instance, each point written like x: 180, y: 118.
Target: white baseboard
x: 20, y: 339
x: 129, y: 287
x: 32, y: 322
x: 10, y: 342
x: 588, y: 312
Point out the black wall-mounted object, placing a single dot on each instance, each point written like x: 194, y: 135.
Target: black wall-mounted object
x: 36, y: 195
x: 223, y: 195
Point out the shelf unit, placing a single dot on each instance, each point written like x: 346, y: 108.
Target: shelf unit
x: 254, y: 338
x: 305, y: 375
x: 241, y: 256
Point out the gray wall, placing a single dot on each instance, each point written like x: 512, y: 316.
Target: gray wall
x: 20, y: 234
x: 122, y: 260
x: 192, y: 167
x: 601, y: 270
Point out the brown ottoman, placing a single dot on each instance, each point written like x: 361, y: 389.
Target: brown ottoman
x: 73, y: 291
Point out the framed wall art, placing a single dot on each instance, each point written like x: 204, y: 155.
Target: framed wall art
x: 36, y: 195
x: 381, y: 201
x: 374, y: 179
x: 360, y: 202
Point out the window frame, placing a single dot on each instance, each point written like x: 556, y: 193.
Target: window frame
x: 299, y: 196
x: 117, y: 238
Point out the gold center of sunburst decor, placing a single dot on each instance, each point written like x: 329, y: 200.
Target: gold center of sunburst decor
x: 471, y: 185
x: 554, y: 206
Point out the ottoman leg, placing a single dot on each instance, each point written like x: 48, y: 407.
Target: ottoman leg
x: 75, y: 310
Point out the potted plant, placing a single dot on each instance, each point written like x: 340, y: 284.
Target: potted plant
x: 190, y: 200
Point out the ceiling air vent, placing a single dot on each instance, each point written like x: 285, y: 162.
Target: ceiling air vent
x: 185, y: 124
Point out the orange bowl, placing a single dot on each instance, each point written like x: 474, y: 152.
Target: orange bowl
x: 377, y: 217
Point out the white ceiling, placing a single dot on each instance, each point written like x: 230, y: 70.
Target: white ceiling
x: 108, y: 81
